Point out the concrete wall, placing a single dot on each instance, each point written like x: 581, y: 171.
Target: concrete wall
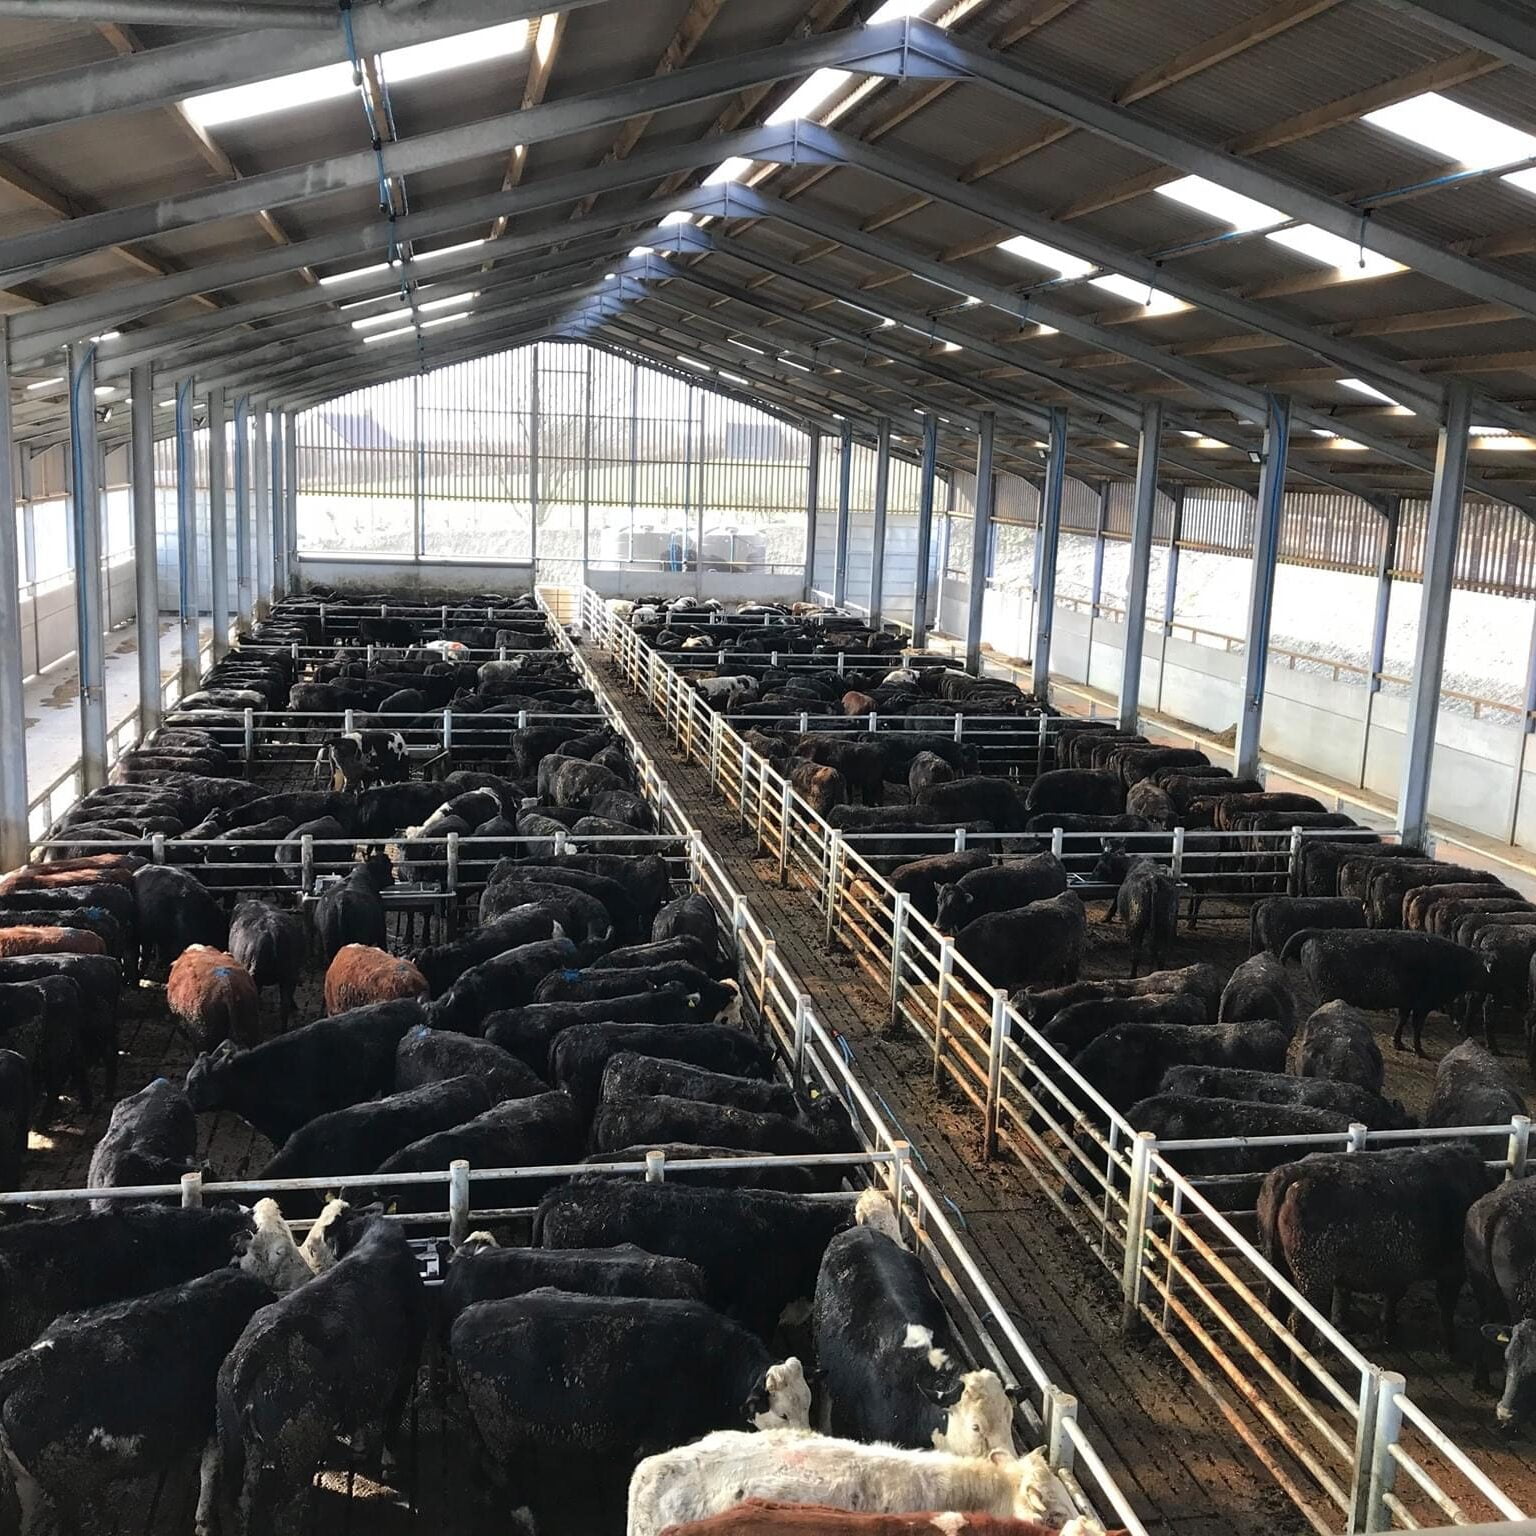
x: 413, y: 578
x: 48, y: 621
x: 1484, y: 775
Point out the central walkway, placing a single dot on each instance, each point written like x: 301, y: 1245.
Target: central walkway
x: 1165, y: 1441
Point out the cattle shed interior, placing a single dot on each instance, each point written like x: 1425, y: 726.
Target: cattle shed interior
x: 780, y: 410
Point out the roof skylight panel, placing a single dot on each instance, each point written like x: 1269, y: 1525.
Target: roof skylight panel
x: 1470, y: 138
x: 1062, y: 263
x: 1231, y: 208
x: 1153, y: 300
x: 1360, y: 387
x: 1349, y: 260
x: 308, y: 87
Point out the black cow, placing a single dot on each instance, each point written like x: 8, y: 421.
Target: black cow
x: 73, y: 1263
x: 1370, y: 1109
x: 1337, y: 1042
x: 759, y: 1249
x: 1499, y: 1247
x: 270, y: 944
x: 335, y: 1357
x: 174, y: 910
x: 998, y: 888
x: 16, y: 1099
x: 352, y: 911
x: 629, y: 1075
x: 122, y: 1392
x: 282, y: 1084
x: 529, y: 1032
x: 435, y: 1055
x: 547, y: 1371
x: 1127, y: 1063
x: 150, y: 1139
x: 443, y: 964
x: 510, y: 979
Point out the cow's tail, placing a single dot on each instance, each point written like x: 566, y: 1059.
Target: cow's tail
x: 1292, y: 946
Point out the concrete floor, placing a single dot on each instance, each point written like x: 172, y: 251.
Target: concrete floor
x: 53, y: 710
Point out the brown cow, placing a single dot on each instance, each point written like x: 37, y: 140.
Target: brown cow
x: 214, y: 992
x: 29, y: 940
x: 361, y: 974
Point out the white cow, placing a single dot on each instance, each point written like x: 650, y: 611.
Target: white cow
x: 724, y: 1469
x: 274, y: 1257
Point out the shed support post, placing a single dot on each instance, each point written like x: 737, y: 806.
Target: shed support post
x: 261, y: 465
x: 1261, y: 592
x: 1143, y: 515
x: 981, y: 540
x: 1096, y: 589
x: 279, y: 506
x: 1434, y: 611
x: 926, y: 487
x: 85, y: 505
x: 844, y: 495
x: 186, y: 540
x: 13, y: 741
x: 877, y: 543
x: 291, y: 495
x: 1047, y: 549
x: 242, y: 510
x: 218, y: 524
x: 146, y: 564
x: 812, y: 497
x: 1386, y: 563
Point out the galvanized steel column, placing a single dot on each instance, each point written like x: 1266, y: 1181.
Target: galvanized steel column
x: 844, y: 496
x: 13, y: 714
x: 812, y: 497
x: 243, y: 510
x: 1261, y: 591
x: 981, y: 540
x: 218, y: 524
x: 146, y: 546
x: 930, y: 471
x: 261, y: 464
x: 186, y: 539
x: 1143, y: 514
x: 291, y: 495
x: 279, y: 511
x: 85, y: 506
x: 1049, y: 549
x: 882, y: 498
x: 1434, y: 611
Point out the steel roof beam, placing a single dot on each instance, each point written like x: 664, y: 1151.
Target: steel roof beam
x: 914, y: 172
x: 874, y: 50
x: 161, y: 76
x: 1139, y: 131
x: 41, y: 331
x: 176, y: 13
x: 1506, y: 31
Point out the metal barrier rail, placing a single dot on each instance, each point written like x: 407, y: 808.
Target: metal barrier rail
x: 1184, y: 1269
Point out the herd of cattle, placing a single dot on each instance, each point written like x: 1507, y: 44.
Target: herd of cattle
x: 585, y: 1014
x: 1281, y: 1046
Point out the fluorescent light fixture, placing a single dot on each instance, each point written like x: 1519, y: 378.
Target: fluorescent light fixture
x: 356, y: 272
x: 951, y: 346
x: 692, y: 362
x: 1360, y: 387
x: 1186, y: 432
x: 745, y: 347
x: 789, y: 362
x: 1471, y: 431
x: 1042, y: 255
x: 1153, y: 300
x: 728, y: 170
x: 1337, y: 441
x: 1506, y: 444
x: 1231, y: 208
x: 107, y: 336
x: 261, y: 98
x: 166, y: 405
x: 389, y: 317
x: 1344, y: 256
x: 735, y: 378
x: 1045, y: 330
x: 450, y: 302
x: 423, y: 59
x: 1468, y: 137
x: 971, y: 301
x: 103, y: 390
x: 448, y: 250
x: 1205, y: 442
x: 428, y: 325
x: 408, y: 329
x: 44, y: 384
